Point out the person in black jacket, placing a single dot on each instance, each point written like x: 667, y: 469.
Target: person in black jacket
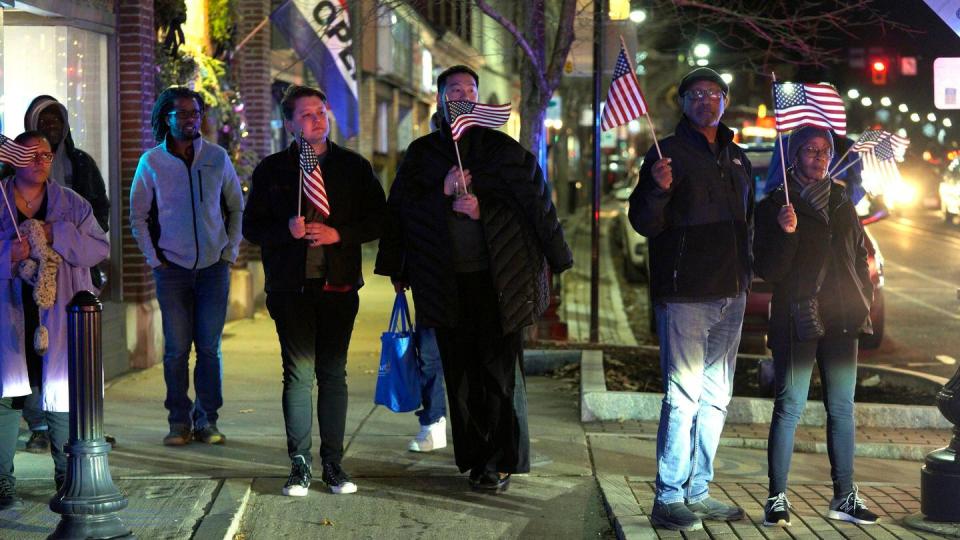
x: 312, y: 266
x: 475, y: 261
x: 813, y: 248
x: 696, y: 207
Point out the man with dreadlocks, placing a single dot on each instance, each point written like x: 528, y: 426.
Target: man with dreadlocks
x: 181, y: 192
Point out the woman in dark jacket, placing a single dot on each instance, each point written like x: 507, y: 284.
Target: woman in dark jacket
x: 813, y: 252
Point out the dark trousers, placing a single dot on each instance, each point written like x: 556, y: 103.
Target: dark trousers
x: 793, y: 366
x: 58, y: 423
x: 314, y: 328
x: 480, y: 367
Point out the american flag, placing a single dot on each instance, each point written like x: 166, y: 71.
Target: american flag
x: 624, y: 99
x: 14, y: 153
x: 817, y: 105
x: 313, y: 186
x: 463, y: 115
x: 868, y: 139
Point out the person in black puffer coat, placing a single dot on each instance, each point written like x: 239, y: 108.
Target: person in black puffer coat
x: 813, y: 248
x: 476, y: 264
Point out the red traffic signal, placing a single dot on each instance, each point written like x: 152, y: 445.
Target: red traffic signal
x: 878, y: 70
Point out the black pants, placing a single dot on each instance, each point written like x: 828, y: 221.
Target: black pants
x: 314, y: 328
x: 481, y: 370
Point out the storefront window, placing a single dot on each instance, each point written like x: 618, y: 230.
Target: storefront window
x: 69, y: 64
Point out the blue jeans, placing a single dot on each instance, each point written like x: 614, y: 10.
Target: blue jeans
x: 59, y: 429
x: 193, y: 305
x: 698, y: 355
x: 793, y: 365
x: 431, y: 379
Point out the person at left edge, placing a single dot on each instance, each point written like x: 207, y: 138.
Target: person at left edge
x: 185, y: 212
x: 312, y: 274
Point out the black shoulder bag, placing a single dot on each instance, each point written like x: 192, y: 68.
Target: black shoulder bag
x: 805, y: 311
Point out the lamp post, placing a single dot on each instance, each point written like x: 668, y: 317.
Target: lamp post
x: 88, y: 502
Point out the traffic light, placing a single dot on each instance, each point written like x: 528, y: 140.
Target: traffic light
x: 879, y: 67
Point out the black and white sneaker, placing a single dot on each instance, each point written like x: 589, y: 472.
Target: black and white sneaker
x: 298, y: 483
x: 776, y: 513
x: 337, y: 479
x: 851, y: 508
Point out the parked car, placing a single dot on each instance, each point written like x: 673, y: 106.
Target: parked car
x: 632, y: 245
x: 950, y: 191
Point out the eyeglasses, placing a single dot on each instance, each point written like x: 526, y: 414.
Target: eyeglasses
x: 814, y: 152
x: 700, y: 95
x: 43, y: 157
x: 186, y: 115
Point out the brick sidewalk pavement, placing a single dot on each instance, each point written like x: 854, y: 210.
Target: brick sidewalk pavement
x: 892, y: 502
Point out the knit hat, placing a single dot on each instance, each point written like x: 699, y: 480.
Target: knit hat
x: 702, y: 74
x: 801, y: 136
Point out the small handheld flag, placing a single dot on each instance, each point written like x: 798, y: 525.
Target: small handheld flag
x: 462, y: 115
x: 624, y: 100
x: 312, y: 177
x: 818, y: 105
x: 14, y: 153
x: 868, y: 139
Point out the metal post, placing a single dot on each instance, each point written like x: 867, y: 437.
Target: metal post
x: 940, y: 476
x: 88, y: 502
x: 598, y: 9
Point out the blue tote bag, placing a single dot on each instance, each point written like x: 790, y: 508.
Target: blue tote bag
x: 398, y: 383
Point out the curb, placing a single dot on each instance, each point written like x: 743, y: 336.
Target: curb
x: 223, y: 519
x: 598, y: 404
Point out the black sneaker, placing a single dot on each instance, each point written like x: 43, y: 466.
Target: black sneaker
x: 337, y: 479
x: 674, y: 516
x: 851, y: 508
x: 39, y: 442
x: 777, y: 511
x: 298, y: 483
x: 8, y: 496
x: 491, y: 482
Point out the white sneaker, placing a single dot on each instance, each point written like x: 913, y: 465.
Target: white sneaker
x: 430, y: 438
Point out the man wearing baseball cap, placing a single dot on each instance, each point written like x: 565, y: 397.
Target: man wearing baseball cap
x: 695, y: 205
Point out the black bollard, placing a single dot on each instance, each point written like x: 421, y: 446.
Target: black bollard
x: 940, y: 476
x: 88, y: 502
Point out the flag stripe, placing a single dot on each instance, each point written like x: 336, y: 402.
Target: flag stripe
x: 313, y: 187
x: 14, y: 153
x: 798, y: 105
x: 464, y: 115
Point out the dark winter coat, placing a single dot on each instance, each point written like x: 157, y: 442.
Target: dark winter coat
x: 357, y: 210
x: 792, y: 262
x: 700, y: 229
x: 519, y: 222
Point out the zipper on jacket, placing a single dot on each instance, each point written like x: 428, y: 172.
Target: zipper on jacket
x: 193, y: 208
x: 200, y: 183
x: 736, y: 254
x: 676, y: 265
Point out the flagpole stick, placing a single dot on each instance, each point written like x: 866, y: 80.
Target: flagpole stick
x: 654, y: 133
x: 839, y: 161
x: 463, y: 182
x: 851, y: 164
x: 252, y: 33
x: 13, y: 219
x: 300, y: 168
x: 783, y: 161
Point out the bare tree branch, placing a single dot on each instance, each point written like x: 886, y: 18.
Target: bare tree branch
x: 522, y: 42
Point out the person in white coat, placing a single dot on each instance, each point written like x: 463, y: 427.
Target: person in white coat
x: 71, y: 230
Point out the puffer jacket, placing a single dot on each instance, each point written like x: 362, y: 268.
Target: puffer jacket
x: 519, y: 223
x: 792, y: 263
x: 700, y: 229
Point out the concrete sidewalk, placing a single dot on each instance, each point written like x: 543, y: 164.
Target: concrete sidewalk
x: 233, y: 491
